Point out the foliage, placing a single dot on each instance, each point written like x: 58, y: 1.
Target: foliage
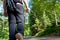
x: 4, y: 29
x: 27, y: 31
x: 45, y: 12
x: 44, y: 19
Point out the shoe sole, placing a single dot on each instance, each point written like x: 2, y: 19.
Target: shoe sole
x: 19, y: 36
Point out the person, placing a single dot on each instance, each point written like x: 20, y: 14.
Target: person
x: 14, y: 17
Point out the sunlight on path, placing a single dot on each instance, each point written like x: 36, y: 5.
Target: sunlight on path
x: 44, y: 38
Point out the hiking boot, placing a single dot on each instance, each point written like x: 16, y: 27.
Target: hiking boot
x: 19, y: 36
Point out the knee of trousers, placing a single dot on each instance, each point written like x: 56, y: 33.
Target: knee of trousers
x: 20, y: 21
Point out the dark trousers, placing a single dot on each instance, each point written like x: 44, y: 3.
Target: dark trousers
x: 16, y: 21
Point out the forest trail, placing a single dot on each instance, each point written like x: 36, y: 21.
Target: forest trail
x: 43, y: 38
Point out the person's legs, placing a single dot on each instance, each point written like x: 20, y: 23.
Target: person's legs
x: 12, y: 26
x: 13, y: 17
x: 20, y: 19
x: 20, y: 24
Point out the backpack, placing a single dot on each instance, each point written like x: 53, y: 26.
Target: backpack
x: 10, y: 4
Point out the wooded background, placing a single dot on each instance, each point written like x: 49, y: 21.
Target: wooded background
x: 43, y: 20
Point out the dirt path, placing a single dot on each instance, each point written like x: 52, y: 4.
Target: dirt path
x: 44, y: 38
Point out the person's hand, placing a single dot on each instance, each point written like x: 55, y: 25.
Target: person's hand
x: 27, y: 9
